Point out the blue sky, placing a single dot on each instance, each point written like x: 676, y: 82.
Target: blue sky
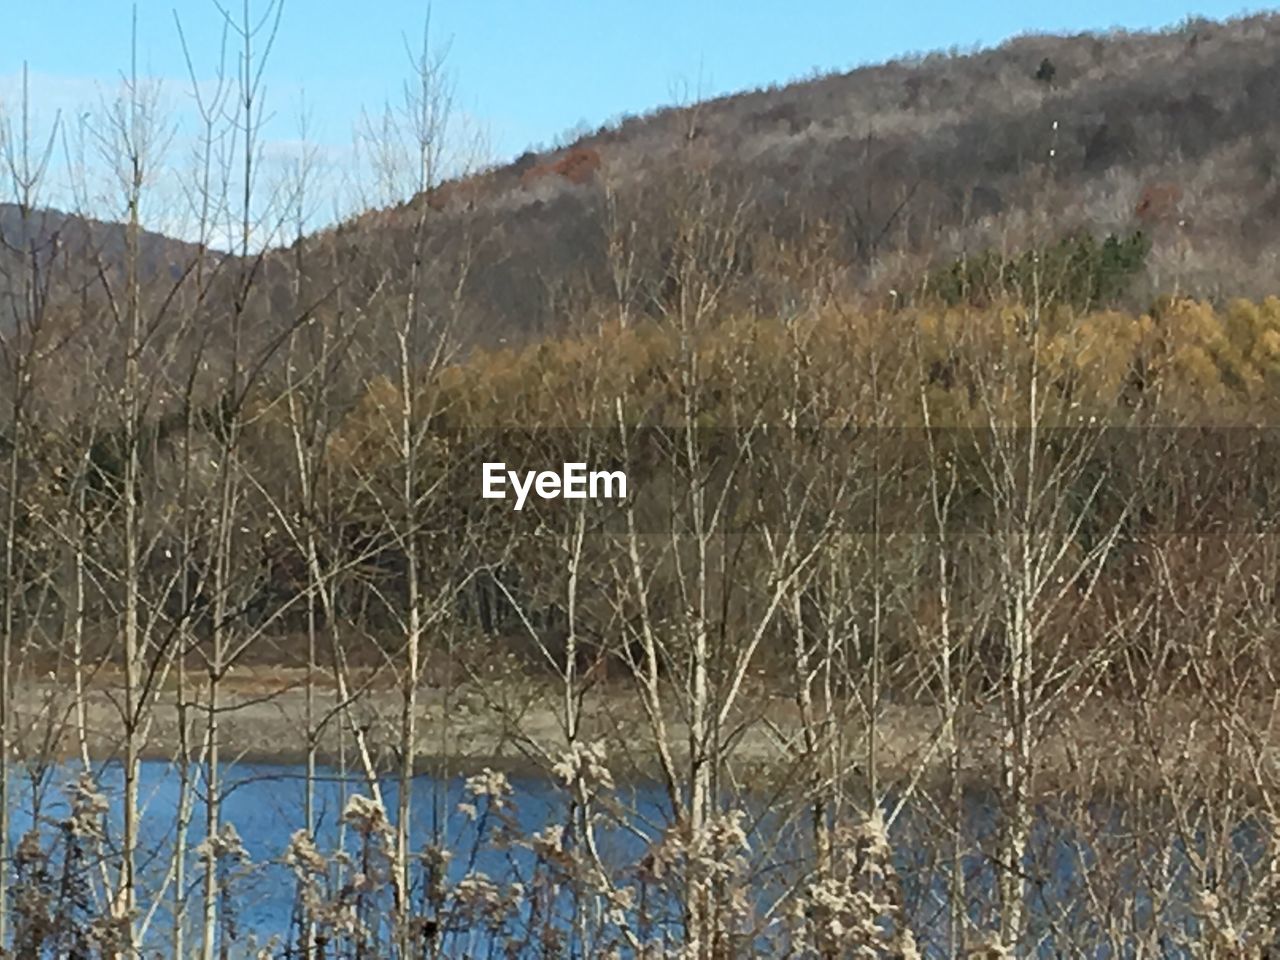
x: 525, y: 72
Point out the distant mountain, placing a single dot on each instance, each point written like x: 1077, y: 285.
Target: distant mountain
x: 89, y: 237
x: 911, y: 163
x: 885, y: 171
x: 76, y: 247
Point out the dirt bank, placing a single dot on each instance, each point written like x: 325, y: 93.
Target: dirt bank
x: 518, y: 727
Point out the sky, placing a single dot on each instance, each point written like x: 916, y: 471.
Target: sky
x: 523, y: 73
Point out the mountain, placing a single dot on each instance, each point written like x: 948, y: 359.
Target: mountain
x: 89, y: 238
x: 873, y: 177
x: 65, y: 250
x: 907, y: 165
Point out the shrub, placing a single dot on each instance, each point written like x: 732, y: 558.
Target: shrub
x: 1077, y: 270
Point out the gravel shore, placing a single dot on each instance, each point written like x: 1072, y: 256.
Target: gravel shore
x: 518, y: 727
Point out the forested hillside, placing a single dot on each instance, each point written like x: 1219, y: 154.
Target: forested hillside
x: 891, y: 171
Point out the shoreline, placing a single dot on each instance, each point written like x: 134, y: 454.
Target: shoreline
x: 516, y: 728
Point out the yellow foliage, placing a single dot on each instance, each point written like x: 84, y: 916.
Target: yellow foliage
x: 960, y: 366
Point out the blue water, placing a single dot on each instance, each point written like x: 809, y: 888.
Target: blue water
x: 265, y: 803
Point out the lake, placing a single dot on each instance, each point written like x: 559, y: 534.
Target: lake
x: 265, y: 803
x: 1086, y: 863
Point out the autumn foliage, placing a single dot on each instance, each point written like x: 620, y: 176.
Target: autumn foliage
x: 579, y: 165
